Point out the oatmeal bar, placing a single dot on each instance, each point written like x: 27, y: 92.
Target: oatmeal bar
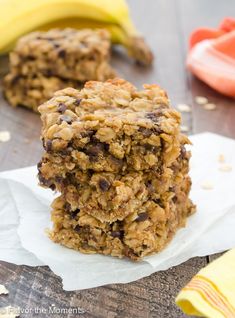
x: 67, y: 53
x: 111, y: 127
x: 143, y: 232
x: 31, y: 91
x: 108, y: 196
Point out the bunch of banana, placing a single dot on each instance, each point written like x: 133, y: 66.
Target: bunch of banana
x: 20, y: 17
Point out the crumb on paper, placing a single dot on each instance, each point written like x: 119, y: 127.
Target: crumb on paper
x: 201, y: 100
x: 225, y: 168
x: 184, y: 128
x: 27, y: 141
x: 5, y: 136
x: 9, y: 312
x: 221, y: 158
x: 3, y: 290
x: 209, y: 106
x: 184, y: 108
x: 206, y: 185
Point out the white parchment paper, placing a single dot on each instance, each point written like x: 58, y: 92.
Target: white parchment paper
x: 24, y: 215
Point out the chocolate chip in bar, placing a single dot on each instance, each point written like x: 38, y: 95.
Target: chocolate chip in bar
x: 46, y: 182
x: 62, y: 53
x: 66, y: 118
x: 74, y: 214
x: 67, y: 207
x: 15, y: 79
x: 104, y: 185
x: 88, y: 133
x: 77, y: 102
x: 145, y: 131
x: 77, y: 228
x: 141, y: 217
x: 118, y: 234
x: 61, y: 108
x: 48, y: 145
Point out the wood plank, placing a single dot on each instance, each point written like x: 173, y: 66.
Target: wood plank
x: 152, y: 296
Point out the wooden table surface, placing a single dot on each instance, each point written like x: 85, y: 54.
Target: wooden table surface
x: 166, y: 24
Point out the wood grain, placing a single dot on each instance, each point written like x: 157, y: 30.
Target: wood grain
x: 166, y: 24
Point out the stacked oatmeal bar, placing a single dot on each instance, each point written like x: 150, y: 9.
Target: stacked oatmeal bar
x: 118, y: 159
x: 44, y: 62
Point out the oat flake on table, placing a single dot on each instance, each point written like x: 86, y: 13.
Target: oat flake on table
x: 184, y: 128
x: 9, y: 312
x: 225, y: 168
x: 209, y: 106
x: 184, y: 108
x: 201, y: 100
x: 5, y: 136
x: 3, y: 290
x: 207, y: 185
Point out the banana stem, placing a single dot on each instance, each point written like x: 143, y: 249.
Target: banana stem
x: 139, y: 50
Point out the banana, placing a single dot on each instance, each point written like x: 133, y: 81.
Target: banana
x: 20, y: 17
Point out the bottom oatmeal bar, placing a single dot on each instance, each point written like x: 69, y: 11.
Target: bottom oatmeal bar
x: 145, y: 231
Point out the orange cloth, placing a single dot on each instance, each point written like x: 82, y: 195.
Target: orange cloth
x: 212, y: 56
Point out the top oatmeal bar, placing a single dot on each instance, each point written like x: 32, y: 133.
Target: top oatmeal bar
x: 111, y: 127
x: 68, y: 53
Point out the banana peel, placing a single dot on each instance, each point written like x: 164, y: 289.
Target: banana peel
x: 20, y: 17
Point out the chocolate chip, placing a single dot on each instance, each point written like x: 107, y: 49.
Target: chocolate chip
x: 95, y: 149
x: 90, y: 172
x: 149, y: 147
x: 52, y: 187
x: 61, y: 108
x: 88, y: 133
x: 47, y: 73
x: 66, y: 151
x: 74, y: 214
x: 77, y: 228
x: 157, y: 130
x: 158, y: 202
x: 15, y: 79
x: 104, y: 185
x: 93, y: 153
x: 118, y: 234
x: 62, y: 53
x: 66, y: 118
x: 39, y: 165
x: 183, y: 153
x: 141, y: 217
x: 46, y: 182
x: 175, y: 199
x: 106, y: 146
x: 149, y: 186
x: 154, y: 116
x: 48, y: 145
x: 145, y: 131
x: 77, y: 101
x: 67, y: 207
x: 56, y: 45
x: 30, y: 58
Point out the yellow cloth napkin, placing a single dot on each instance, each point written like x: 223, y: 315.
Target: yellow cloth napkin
x: 211, y: 293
